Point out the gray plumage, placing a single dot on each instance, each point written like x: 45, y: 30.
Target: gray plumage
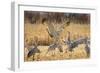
x: 54, y: 46
x: 33, y: 51
x: 87, y: 47
x: 54, y: 30
x: 74, y: 43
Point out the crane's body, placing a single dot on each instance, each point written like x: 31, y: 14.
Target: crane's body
x: 33, y: 51
x: 74, y: 43
x: 54, y: 30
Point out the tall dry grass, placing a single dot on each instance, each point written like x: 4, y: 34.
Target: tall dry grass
x: 31, y: 31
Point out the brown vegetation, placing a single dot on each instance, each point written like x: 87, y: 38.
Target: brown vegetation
x: 32, y: 32
x: 35, y: 33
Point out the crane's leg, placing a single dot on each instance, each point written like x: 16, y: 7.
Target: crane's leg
x: 87, y: 49
x: 33, y: 57
x: 53, y: 53
x: 60, y: 48
x: 38, y: 56
x: 51, y: 48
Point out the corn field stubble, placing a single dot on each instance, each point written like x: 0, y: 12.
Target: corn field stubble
x: 39, y: 31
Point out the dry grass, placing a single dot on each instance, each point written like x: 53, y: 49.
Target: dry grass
x: 78, y: 53
x: 40, y: 32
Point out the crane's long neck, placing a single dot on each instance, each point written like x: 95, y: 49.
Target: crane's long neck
x: 68, y: 36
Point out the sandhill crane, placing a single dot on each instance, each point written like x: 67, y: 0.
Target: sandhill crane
x: 54, y: 30
x: 33, y: 51
x: 74, y: 43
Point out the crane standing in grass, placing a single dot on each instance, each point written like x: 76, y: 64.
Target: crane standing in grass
x: 33, y: 49
x: 54, y: 30
x: 74, y: 43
